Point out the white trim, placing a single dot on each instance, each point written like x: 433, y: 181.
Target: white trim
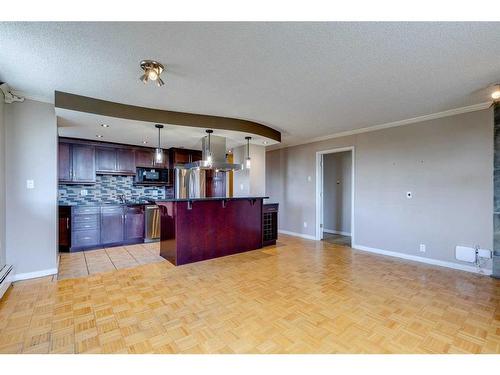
x: 7, y: 281
x: 332, y: 231
x: 413, y: 120
x: 33, y: 275
x: 319, y: 186
x: 415, y: 258
x: 295, y: 234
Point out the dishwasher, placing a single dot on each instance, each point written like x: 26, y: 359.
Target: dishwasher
x: 152, y: 223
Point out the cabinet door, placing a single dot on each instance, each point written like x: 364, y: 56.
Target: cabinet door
x: 111, y: 225
x: 134, y: 224
x: 83, y: 161
x: 125, y: 161
x: 105, y: 159
x: 64, y: 162
x: 144, y: 158
x: 196, y: 156
x: 181, y: 157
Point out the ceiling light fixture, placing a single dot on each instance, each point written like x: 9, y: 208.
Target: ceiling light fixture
x: 98, y: 135
x: 144, y: 142
x: 152, y: 71
x: 209, y: 153
x: 495, y: 95
x: 247, y: 161
x: 158, y: 150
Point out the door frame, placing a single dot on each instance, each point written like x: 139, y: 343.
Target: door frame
x: 319, y: 189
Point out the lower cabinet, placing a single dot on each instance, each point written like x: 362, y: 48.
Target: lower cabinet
x: 112, y: 220
x: 88, y: 227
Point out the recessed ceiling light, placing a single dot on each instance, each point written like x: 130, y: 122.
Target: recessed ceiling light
x: 144, y: 142
x: 98, y: 135
x: 265, y: 142
x: 495, y: 95
x: 105, y: 125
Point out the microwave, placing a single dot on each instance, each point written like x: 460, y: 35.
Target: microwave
x: 151, y: 176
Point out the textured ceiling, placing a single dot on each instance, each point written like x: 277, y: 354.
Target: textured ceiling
x: 304, y: 79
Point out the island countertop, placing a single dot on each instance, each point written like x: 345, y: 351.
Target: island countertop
x: 204, y: 228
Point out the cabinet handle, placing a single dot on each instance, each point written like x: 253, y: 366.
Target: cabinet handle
x: 67, y: 223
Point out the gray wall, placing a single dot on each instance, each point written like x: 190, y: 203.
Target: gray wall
x: 31, y: 153
x: 337, y: 175
x: 446, y: 163
x: 2, y: 182
x: 253, y: 181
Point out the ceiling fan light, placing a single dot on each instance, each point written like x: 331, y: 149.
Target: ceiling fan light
x: 152, y: 74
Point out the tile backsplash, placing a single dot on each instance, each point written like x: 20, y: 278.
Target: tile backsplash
x: 106, y: 190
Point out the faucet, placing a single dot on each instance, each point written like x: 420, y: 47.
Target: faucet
x: 121, y: 197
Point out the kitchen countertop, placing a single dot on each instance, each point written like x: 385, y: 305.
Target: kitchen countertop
x: 99, y: 204
x: 206, y: 199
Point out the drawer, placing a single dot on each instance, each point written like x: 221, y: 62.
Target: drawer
x: 112, y: 210
x: 85, y: 210
x: 84, y: 238
x: 85, y: 225
x: 85, y: 218
x: 273, y: 207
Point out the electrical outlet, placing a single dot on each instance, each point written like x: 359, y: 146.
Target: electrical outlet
x: 30, y: 184
x: 308, y: 178
x: 84, y: 192
x: 422, y: 248
x: 242, y: 187
x: 305, y: 224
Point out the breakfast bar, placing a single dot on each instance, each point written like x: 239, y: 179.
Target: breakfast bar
x: 204, y: 228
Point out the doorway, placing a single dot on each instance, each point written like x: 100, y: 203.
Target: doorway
x: 335, y: 196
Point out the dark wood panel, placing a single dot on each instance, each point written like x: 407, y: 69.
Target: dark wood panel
x: 125, y: 161
x: 64, y: 228
x: 215, y: 184
x: 112, y: 226
x: 134, y: 224
x: 64, y: 162
x: 105, y: 159
x: 83, y: 163
x: 144, y: 158
x: 222, y: 228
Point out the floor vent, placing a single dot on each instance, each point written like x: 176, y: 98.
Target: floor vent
x: 5, y: 279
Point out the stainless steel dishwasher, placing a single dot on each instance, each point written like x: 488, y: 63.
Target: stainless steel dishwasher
x: 152, y: 223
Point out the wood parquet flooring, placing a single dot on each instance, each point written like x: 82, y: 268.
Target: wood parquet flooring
x: 299, y: 296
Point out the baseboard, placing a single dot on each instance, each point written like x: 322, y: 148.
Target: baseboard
x: 33, y: 275
x: 435, y: 262
x: 295, y: 234
x: 332, y: 231
x: 5, y: 279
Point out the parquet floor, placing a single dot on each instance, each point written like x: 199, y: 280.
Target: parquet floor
x: 300, y: 296
x: 90, y: 262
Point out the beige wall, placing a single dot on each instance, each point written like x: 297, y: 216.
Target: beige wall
x: 446, y: 163
x: 337, y: 175
x: 31, y: 154
x: 250, y: 182
x: 2, y: 182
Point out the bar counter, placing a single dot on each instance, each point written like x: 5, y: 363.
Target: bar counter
x: 204, y: 228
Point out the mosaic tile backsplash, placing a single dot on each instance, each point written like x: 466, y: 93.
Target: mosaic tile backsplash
x: 107, y: 189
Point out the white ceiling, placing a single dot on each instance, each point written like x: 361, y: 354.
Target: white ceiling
x: 304, y: 79
x: 76, y: 124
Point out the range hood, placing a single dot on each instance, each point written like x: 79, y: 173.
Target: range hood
x: 219, y: 163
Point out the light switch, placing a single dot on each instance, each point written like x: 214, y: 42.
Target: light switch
x: 309, y: 178
x: 30, y: 184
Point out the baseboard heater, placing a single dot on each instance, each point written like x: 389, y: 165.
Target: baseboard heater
x: 5, y: 279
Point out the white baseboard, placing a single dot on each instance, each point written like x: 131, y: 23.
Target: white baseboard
x: 295, y: 234
x: 33, y: 275
x: 332, y: 231
x: 435, y: 262
x: 6, y: 277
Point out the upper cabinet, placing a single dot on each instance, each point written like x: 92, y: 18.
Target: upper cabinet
x: 144, y: 158
x: 183, y: 156
x: 76, y: 163
x: 115, y: 161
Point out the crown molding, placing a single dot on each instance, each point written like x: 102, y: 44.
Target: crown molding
x: 413, y: 120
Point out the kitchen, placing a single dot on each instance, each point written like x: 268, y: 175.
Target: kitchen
x: 182, y: 193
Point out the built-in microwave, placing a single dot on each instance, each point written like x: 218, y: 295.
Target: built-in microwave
x: 151, y: 176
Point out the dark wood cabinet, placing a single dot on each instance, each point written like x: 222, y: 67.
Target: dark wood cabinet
x: 111, y: 225
x: 85, y: 226
x: 105, y: 159
x: 144, y: 158
x: 183, y: 156
x: 64, y: 228
x: 64, y: 162
x: 215, y: 184
x: 134, y: 224
x: 125, y: 161
x: 83, y: 164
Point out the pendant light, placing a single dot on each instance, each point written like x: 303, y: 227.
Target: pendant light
x: 247, y: 161
x: 209, y: 152
x: 158, y: 150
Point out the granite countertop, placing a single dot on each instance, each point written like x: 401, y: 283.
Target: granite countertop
x: 99, y: 204
x: 206, y: 199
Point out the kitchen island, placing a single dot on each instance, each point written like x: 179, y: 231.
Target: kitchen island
x: 204, y: 228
